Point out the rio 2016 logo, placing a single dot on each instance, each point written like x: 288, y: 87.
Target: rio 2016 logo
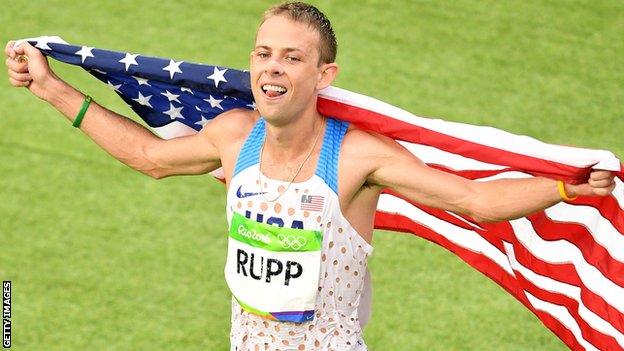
x: 292, y: 242
x: 252, y: 234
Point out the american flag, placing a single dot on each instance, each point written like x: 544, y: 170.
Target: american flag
x: 565, y: 264
x: 312, y: 203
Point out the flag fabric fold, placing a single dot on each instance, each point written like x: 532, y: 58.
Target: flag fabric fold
x: 565, y: 264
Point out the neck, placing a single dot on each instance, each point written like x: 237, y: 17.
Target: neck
x: 287, y: 142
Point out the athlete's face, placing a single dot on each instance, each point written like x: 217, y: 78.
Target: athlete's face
x: 285, y: 70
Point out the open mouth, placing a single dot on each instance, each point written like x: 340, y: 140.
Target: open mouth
x: 272, y: 91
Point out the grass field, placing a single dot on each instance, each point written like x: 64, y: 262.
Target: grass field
x: 103, y: 258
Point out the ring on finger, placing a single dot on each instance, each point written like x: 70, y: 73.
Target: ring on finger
x: 22, y: 58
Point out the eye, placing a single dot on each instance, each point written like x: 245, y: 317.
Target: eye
x: 262, y: 54
x: 292, y: 59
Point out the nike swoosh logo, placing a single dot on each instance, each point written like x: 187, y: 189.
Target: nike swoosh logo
x: 241, y: 195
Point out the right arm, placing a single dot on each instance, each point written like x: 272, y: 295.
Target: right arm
x: 121, y: 137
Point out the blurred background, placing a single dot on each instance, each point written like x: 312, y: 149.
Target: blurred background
x: 104, y: 258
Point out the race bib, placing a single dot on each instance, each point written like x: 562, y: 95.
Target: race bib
x: 273, y: 272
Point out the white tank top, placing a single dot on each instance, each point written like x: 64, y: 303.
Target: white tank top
x: 310, y: 205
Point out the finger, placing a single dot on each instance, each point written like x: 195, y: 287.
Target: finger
x: 34, y: 55
x: 19, y: 49
x: 604, y: 191
x: 596, y: 175
x: 8, y: 49
x: 25, y: 77
x: 26, y: 49
x: 17, y: 83
x: 600, y: 183
x: 13, y: 65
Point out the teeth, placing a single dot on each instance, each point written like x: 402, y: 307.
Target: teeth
x: 273, y: 88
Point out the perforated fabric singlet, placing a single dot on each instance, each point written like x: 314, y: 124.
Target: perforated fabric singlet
x: 313, y: 205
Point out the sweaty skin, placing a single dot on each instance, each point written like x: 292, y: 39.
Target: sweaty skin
x: 286, y: 56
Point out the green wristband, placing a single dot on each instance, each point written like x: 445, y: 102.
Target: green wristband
x: 83, y: 110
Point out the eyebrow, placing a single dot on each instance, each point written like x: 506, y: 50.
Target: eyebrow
x: 285, y: 49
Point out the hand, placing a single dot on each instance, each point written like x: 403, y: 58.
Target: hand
x: 34, y: 73
x: 600, y: 183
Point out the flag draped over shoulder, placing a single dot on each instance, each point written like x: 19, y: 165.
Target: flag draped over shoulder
x: 565, y: 264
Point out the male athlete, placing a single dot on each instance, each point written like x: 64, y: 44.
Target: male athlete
x: 302, y: 188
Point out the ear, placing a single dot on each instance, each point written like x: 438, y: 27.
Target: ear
x: 328, y: 73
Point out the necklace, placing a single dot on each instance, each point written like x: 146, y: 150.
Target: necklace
x: 296, y: 173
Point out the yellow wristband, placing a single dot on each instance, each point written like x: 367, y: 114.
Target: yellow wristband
x: 562, y: 192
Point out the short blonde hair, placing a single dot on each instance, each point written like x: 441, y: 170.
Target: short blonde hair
x: 310, y: 15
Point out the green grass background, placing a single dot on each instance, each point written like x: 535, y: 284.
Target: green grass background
x: 102, y: 257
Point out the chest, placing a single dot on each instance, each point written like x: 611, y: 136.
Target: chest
x: 351, y: 175
x: 297, y: 205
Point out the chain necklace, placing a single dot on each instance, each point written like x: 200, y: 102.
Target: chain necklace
x: 296, y: 173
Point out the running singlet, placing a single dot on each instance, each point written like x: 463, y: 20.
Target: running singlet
x: 295, y: 266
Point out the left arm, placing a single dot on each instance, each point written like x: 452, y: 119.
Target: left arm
x: 394, y: 167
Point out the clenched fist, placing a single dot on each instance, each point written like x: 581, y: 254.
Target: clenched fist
x: 600, y: 183
x: 33, y: 72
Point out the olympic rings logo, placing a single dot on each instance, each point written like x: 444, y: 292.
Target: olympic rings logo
x: 292, y: 242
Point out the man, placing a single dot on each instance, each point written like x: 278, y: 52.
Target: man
x: 302, y: 188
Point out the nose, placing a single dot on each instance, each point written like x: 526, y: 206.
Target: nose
x: 274, y: 68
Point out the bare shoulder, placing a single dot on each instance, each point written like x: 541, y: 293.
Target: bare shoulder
x: 230, y: 126
x: 360, y: 153
x: 227, y: 132
x: 367, y: 152
x: 365, y: 144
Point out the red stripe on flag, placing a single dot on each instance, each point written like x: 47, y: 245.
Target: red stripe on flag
x: 369, y: 120
x: 395, y: 222
x: 560, y: 330
x: 489, y: 235
x: 596, y: 338
x: 566, y: 273
x: 581, y: 237
x: 390, y: 221
x: 608, y: 207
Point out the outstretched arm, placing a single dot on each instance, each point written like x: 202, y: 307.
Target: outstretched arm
x: 394, y: 167
x: 124, y: 139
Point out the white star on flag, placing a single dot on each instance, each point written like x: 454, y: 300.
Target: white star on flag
x: 144, y: 100
x: 252, y: 105
x: 214, y: 102
x: 170, y: 96
x: 173, y: 68
x: 202, y: 122
x: 187, y: 90
x: 141, y: 81
x: 129, y: 60
x: 85, y: 52
x: 42, y: 43
x: 114, y: 87
x: 218, y: 76
x: 174, y: 112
